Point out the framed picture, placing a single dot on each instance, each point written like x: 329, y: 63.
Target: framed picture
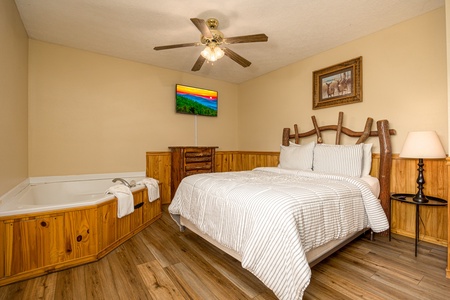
x: 196, y: 101
x: 338, y: 85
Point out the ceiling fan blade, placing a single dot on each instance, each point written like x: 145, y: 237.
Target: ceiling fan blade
x: 176, y: 46
x: 236, y: 57
x: 247, y: 39
x: 198, y: 64
x: 201, y: 25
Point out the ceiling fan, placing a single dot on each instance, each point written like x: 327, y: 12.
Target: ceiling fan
x: 212, y: 38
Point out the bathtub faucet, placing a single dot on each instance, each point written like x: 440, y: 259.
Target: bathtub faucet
x: 130, y: 185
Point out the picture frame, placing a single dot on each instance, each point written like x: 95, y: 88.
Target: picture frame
x: 338, y: 85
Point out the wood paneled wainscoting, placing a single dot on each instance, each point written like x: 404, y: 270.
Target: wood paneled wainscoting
x: 159, y: 165
x: 447, y: 183
x: 434, y: 220
x: 434, y: 225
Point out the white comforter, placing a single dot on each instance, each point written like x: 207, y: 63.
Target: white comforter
x: 271, y: 217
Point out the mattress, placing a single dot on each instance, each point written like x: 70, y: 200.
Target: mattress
x: 373, y: 183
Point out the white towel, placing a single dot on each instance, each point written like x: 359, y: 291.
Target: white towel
x: 125, y: 201
x: 152, y: 187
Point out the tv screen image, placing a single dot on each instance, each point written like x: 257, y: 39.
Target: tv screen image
x: 196, y: 101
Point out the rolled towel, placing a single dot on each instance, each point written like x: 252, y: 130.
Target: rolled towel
x: 152, y: 186
x: 125, y: 201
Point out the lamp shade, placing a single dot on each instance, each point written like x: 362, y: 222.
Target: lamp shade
x: 422, y: 144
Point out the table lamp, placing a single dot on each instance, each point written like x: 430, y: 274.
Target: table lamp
x: 420, y: 145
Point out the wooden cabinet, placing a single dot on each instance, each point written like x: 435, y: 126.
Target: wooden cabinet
x: 188, y: 161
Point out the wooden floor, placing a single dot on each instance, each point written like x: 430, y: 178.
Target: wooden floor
x: 162, y: 263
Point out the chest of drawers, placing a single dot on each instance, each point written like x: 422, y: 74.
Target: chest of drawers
x: 188, y: 161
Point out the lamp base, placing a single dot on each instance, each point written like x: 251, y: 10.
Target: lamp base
x: 420, y: 198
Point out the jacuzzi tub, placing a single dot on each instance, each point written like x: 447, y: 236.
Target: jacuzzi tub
x: 53, y: 223
x: 53, y: 193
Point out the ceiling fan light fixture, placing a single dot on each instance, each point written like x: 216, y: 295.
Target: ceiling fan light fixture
x: 206, y: 53
x: 218, y: 52
x: 212, y: 53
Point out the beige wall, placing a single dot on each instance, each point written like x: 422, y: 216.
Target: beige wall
x: 13, y: 98
x: 404, y: 81
x: 447, y: 23
x: 91, y: 113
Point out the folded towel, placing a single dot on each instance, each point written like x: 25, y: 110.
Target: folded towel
x: 125, y: 201
x: 152, y: 187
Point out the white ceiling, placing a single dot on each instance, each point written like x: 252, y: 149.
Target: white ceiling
x: 130, y: 29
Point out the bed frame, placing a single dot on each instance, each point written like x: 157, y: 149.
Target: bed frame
x: 384, y: 135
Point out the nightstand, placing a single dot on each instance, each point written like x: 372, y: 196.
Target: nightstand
x: 408, y: 198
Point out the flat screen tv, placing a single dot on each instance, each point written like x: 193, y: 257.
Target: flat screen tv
x: 196, y: 101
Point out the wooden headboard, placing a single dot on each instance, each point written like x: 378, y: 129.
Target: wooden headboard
x: 384, y: 135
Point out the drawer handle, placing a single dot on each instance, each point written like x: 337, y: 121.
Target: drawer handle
x: 138, y: 205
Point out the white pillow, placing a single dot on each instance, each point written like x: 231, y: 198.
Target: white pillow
x: 298, y: 157
x: 367, y: 160
x: 338, y: 159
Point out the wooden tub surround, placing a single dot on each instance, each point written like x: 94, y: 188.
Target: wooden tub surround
x: 40, y: 243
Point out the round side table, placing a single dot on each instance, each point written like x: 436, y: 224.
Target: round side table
x: 408, y: 198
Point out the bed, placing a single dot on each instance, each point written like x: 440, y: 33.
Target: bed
x: 281, y: 221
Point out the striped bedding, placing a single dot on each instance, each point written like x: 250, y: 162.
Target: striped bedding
x: 272, y: 216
